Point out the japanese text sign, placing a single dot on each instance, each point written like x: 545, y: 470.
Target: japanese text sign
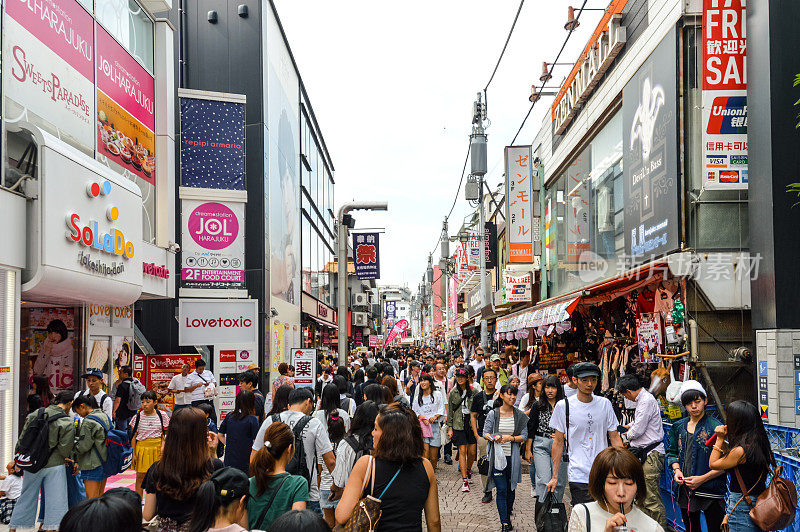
x: 519, y: 203
x: 724, y: 95
x: 305, y: 367
x: 366, y: 252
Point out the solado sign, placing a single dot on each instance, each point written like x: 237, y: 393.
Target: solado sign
x: 90, y: 234
x: 214, y: 321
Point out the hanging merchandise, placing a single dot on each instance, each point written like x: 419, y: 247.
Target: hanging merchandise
x: 649, y: 337
x: 678, y: 311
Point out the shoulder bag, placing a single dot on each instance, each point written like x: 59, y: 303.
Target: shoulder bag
x: 263, y: 514
x: 775, y: 506
x: 367, y: 512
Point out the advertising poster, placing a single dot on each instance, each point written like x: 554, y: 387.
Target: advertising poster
x: 48, y: 74
x: 125, y: 110
x: 519, y: 203
x: 277, y: 355
x: 161, y: 369
x: 579, y: 207
x: 517, y: 288
x: 212, y: 256
x: 305, y: 366
x: 650, y: 155
x: 212, y: 143
x: 724, y: 95
x: 366, y: 250
x: 649, y: 336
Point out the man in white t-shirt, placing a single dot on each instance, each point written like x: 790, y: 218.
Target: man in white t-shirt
x: 177, y: 387
x: 592, y: 423
x: 197, y: 382
x: 477, y: 360
x: 94, y: 387
x: 315, y: 439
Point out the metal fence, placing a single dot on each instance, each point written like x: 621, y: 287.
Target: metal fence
x: 786, y: 446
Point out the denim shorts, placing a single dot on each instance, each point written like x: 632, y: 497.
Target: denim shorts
x: 324, y: 503
x: 436, y: 439
x: 97, y: 474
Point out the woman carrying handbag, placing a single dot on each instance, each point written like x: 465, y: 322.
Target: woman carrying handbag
x: 388, y: 491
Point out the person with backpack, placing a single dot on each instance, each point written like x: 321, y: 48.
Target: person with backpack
x: 147, y: 430
x: 356, y: 443
x: 311, y: 440
x: 128, y: 398
x: 94, y: 387
x: 336, y: 422
x: 273, y: 490
x: 90, y: 445
x: 47, y: 440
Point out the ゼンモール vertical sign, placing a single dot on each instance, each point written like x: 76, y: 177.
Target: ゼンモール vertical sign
x: 724, y: 95
x: 519, y: 203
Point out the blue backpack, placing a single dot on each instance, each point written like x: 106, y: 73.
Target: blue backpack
x: 118, y: 444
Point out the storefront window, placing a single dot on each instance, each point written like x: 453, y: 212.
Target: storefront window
x: 130, y: 25
x: 584, y: 215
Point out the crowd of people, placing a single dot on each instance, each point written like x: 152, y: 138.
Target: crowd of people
x: 376, y: 429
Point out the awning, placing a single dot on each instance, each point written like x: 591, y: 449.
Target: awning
x: 541, y: 315
x: 323, y: 323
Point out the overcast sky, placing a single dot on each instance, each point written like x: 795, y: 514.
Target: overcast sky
x: 392, y: 85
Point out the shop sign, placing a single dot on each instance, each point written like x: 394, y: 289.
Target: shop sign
x: 125, y: 109
x: 376, y: 340
x: 5, y: 378
x: 490, y: 237
x: 212, y: 257
x: 366, y: 250
x: 517, y: 288
x: 305, y: 367
x: 474, y: 302
x: 212, y: 141
x: 724, y: 95
x: 520, y: 201
x: 150, y: 268
x: 391, y: 310
x: 650, y: 154
x: 161, y: 369
x: 49, y: 65
x: 210, y: 321
x: 604, y: 46
x: 473, y: 251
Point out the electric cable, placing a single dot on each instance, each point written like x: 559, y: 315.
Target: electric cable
x: 508, y: 38
x: 558, y: 56
x: 455, y: 199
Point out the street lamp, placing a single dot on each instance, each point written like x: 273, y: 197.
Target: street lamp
x: 342, y: 263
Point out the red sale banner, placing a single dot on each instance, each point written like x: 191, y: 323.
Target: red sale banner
x: 399, y: 327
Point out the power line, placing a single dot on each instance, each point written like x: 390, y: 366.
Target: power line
x: 455, y: 199
x: 519, y: 9
x: 564, y: 45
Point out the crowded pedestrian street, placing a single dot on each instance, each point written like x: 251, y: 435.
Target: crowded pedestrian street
x: 358, y: 266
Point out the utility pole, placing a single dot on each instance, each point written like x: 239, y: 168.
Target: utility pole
x: 478, y: 167
x: 342, y: 264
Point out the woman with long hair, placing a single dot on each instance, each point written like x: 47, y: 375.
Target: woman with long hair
x: 391, y: 383
x: 458, y: 423
x: 221, y: 502
x: 238, y: 431
x: 534, y: 384
x: 337, y: 422
x: 356, y: 443
x: 539, y: 445
x: 404, y: 481
x: 172, y: 482
x: 280, y: 402
x: 747, y: 456
x: 273, y: 491
x: 41, y: 387
x: 506, y: 427
x: 428, y: 405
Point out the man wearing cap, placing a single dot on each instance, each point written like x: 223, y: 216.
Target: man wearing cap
x: 495, y: 364
x: 584, y: 421
x: 94, y: 387
x: 698, y: 488
x: 646, y: 438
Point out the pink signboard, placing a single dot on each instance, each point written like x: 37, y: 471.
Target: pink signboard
x: 49, y: 73
x: 125, y: 108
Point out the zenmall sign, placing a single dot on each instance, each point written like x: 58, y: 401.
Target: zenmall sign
x: 604, y: 46
x: 90, y: 235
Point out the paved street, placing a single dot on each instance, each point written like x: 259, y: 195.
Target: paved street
x: 464, y: 512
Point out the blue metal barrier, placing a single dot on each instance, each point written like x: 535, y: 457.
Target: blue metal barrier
x: 785, y: 444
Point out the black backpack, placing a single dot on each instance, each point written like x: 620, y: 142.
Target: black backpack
x: 297, y: 465
x: 357, y: 447
x: 33, y: 449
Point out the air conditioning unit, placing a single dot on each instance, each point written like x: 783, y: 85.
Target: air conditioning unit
x: 360, y: 300
x: 360, y: 319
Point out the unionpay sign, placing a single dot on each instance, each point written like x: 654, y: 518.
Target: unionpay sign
x: 724, y: 95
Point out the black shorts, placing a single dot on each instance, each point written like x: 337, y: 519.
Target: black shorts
x: 463, y: 437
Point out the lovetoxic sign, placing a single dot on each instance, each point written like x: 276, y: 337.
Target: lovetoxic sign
x: 210, y: 321
x: 90, y: 234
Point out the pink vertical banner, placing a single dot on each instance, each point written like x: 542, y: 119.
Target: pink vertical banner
x: 399, y: 327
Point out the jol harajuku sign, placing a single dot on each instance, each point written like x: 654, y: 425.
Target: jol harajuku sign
x: 604, y: 46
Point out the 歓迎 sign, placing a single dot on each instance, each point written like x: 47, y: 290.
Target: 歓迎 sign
x: 724, y: 95
x: 212, y: 141
x: 305, y: 367
x: 211, y: 321
x: 213, y: 245
x: 519, y: 203
x: 366, y: 251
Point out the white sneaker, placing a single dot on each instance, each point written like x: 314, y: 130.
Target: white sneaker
x: 465, y: 487
x: 533, y: 492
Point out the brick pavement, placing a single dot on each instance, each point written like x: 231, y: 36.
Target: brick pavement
x: 464, y: 512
